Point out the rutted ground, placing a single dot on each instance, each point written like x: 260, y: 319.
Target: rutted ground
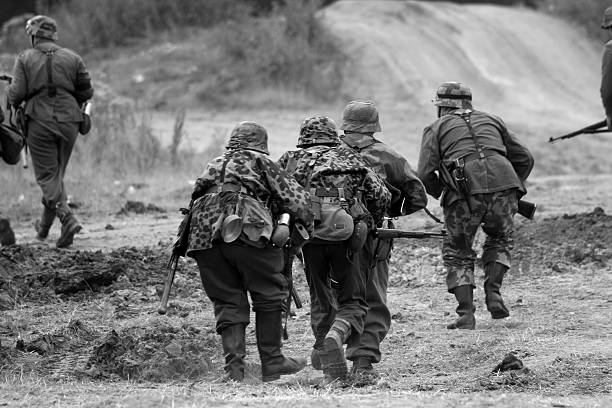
x: 81, y: 319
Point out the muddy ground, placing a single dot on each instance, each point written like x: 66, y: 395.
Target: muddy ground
x: 80, y: 328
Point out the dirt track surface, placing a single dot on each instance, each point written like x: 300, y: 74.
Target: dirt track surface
x: 80, y: 319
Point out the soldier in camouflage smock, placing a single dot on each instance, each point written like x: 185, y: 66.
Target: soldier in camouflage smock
x: 328, y: 170
x: 477, y: 167
x: 234, y: 207
x: 360, y: 122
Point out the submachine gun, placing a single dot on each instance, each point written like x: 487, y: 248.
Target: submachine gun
x: 599, y: 127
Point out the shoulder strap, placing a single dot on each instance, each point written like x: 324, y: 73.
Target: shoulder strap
x: 226, y: 159
x: 466, y: 118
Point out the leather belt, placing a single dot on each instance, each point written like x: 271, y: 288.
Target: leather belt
x: 475, y: 155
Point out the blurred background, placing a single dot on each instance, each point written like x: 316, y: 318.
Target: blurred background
x: 172, y: 77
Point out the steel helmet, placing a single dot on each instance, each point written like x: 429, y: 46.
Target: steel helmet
x: 606, y: 21
x: 249, y: 135
x: 317, y: 130
x: 454, y: 95
x: 360, y: 116
x: 42, y: 27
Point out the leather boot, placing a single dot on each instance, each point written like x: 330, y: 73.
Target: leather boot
x: 315, y: 354
x: 70, y: 225
x: 7, y: 236
x: 333, y: 362
x: 43, y: 225
x: 465, y: 310
x: 269, y: 330
x: 494, y: 276
x: 234, y: 349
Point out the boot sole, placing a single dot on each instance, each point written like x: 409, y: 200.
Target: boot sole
x: 333, y: 362
x: 499, y: 314
x: 69, y: 238
x: 277, y: 376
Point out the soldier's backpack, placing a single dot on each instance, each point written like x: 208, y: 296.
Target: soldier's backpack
x: 338, y: 204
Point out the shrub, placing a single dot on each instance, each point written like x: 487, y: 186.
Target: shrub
x: 90, y: 24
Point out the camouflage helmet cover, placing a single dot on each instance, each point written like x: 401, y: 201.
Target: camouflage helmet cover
x: 453, y: 95
x: 249, y: 135
x: 606, y: 21
x: 42, y: 27
x: 360, y: 116
x: 317, y: 130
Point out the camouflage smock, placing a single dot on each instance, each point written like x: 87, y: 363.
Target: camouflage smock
x: 606, y: 79
x: 408, y: 193
x: 260, y: 177
x: 506, y: 166
x: 299, y: 164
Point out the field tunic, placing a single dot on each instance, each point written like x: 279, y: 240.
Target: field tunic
x: 449, y: 138
x: 262, y: 180
x: 408, y: 193
x: 69, y: 75
x: 606, y: 79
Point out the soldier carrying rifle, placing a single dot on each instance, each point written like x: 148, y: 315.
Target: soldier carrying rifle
x: 477, y: 168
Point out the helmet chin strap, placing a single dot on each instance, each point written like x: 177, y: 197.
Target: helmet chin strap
x: 32, y: 40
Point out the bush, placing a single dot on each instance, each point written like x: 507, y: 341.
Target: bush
x: 290, y: 50
x: 90, y: 24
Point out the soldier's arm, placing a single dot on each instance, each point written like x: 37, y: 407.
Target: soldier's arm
x: 606, y: 79
x: 288, y: 193
x: 83, y: 90
x: 377, y: 196
x: 19, y: 86
x: 429, y: 161
x: 207, y: 179
x: 517, y: 153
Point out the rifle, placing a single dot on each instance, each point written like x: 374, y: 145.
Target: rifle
x: 178, y: 250
x: 387, y: 233
x: 594, y: 128
x: 290, y: 254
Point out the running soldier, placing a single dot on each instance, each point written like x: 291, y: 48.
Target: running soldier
x: 360, y: 122
x: 477, y: 168
x: 343, y: 191
x: 53, y: 82
x: 231, y: 225
x: 606, y: 67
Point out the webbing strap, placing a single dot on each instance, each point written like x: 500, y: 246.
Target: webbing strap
x: 51, y: 89
x: 479, y: 148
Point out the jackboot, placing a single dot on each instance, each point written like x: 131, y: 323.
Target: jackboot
x: 494, y: 276
x: 43, y: 225
x: 333, y: 361
x: 315, y: 354
x: 269, y: 330
x: 70, y: 225
x: 7, y: 236
x: 234, y: 349
x: 465, y: 310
